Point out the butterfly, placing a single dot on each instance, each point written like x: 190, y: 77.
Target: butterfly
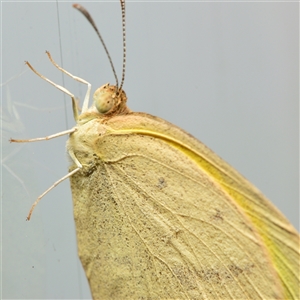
x: 159, y: 215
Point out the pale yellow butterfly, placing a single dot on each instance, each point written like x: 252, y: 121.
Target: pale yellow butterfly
x: 163, y: 184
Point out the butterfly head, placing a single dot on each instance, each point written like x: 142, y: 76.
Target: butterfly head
x: 110, y: 100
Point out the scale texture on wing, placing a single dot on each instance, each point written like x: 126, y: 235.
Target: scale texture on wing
x: 158, y: 215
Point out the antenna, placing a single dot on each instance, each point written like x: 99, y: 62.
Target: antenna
x: 90, y: 19
x: 124, y: 42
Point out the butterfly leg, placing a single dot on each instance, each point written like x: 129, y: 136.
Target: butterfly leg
x: 74, y: 158
x: 48, y: 190
x: 88, y: 92
x: 49, y: 137
x: 61, y: 88
x: 79, y: 166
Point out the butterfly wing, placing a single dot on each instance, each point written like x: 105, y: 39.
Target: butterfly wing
x: 159, y: 215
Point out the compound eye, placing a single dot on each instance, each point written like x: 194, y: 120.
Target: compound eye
x: 104, y: 99
x: 104, y: 104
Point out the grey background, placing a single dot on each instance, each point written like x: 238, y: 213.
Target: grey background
x: 225, y: 72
